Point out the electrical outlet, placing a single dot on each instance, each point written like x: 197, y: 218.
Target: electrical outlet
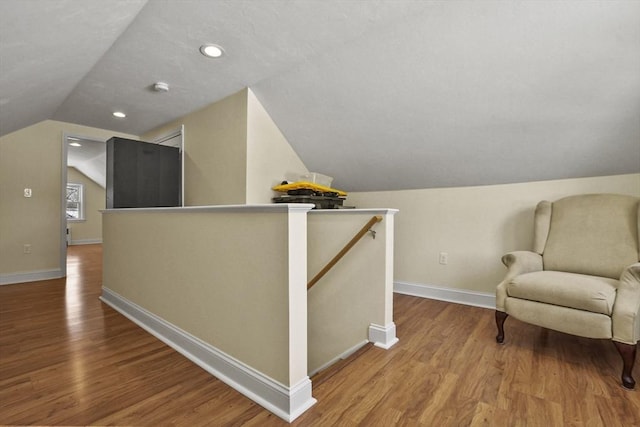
x: 27, y: 192
x: 27, y: 248
x: 443, y: 258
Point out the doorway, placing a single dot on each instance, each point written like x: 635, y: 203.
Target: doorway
x: 175, y: 138
x: 87, y: 155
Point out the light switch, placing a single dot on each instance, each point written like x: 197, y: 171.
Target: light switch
x: 27, y: 192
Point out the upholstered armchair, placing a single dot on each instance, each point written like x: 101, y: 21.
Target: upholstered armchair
x: 583, y: 275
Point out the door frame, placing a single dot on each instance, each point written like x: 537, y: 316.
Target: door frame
x: 66, y: 137
x: 160, y: 140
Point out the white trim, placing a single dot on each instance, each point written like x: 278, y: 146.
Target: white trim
x: 354, y: 211
x: 31, y: 276
x: 85, y: 242
x: 297, y: 295
x: 63, y: 205
x: 383, y: 336
x: 285, y: 402
x: 269, y: 208
x: 458, y: 296
x: 342, y: 356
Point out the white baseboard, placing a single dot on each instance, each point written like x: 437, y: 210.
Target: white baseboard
x: 31, y: 276
x: 343, y: 356
x: 459, y: 296
x: 85, y: 242
x: 383, y: 336
x: 286, y: 402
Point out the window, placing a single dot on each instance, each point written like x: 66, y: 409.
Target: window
x: 75, y: 202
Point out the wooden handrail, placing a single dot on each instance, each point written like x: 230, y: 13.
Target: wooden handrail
x: 347, y: 247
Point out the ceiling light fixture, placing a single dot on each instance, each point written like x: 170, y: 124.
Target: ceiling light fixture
x: 119, y: 114
x: 161, y: 87
x: 211, y: 50
x: 75, y: 144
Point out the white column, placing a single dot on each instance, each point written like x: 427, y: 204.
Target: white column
x: 299, y: 382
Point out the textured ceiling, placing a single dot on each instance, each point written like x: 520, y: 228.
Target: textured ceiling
x: 381, y: 95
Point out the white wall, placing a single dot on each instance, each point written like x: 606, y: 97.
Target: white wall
x: 474, y: 225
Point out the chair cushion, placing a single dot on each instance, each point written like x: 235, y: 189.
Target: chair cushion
x: 582, y: 292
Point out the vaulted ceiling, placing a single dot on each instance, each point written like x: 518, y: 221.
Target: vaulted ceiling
x: 379, y: 94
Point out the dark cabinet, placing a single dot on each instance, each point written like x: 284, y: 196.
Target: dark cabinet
x: 142, y: 175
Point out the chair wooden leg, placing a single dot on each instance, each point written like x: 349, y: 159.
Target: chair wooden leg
x: 628, y: 354
x: 501, y: 316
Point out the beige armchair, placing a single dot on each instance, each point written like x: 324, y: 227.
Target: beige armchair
x: 583, y: 275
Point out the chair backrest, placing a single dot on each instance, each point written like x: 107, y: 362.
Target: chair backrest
x: 594, y: 234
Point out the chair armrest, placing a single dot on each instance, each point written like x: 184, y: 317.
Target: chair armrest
x: 520, y: 262
x: 626, y: 308
x: 517, y: 263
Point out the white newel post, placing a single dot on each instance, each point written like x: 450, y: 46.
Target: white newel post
x: 384, y: 335
x: 299, y: 382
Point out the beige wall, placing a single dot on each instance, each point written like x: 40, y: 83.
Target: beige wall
x: 223, y: 277
x: 235, y: 277
x: 474, y: 225
x: 222, y: 141
x: 215, y: 152
x: 356, y: 292
x: 89, y: 230
x: 32, y: 158
x: 270, y: 158
x: 234, y: 152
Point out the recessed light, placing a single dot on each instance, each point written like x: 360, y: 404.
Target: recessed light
x: 75, y: 144
x: 211, y: 50
x: 119, y: 114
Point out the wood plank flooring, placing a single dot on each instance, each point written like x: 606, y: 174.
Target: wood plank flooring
x: 68, y: 359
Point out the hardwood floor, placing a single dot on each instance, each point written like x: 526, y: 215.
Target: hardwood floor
x: 68, y: 359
